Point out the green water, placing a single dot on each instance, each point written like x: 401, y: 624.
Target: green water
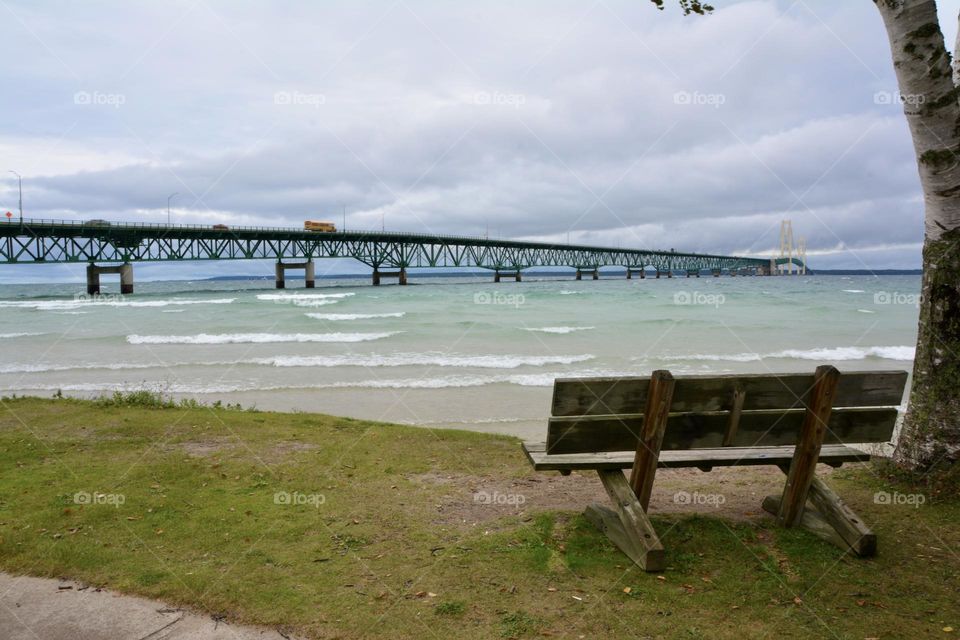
x: 459, y: 352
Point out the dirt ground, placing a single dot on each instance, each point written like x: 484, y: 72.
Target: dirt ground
x: 735, y: 493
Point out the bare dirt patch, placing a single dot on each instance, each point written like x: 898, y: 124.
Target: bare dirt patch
x: 205, y: 448
x: 216, y: 446
x: 735, y: 493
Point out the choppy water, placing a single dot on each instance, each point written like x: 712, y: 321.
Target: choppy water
x: 453, y: 352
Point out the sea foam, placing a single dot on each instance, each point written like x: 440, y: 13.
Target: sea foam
x: 259, y: 338
x: 826, y: 354
x: 70, y: 305
x: 336, y: 317
x: 557, y: 329
x: 421, y: 359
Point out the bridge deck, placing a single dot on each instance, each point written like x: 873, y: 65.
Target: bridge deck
x: 52, y: 241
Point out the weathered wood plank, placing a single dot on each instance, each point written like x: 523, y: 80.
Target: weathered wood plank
x: 835, y: 455
x: 810, y: 439
x: 733, y: 420
x: 608, y: 522
x: 589, y: 434
x: 648, y: 446
x: 636, y: 526
x: 605, y: 396
x: 810, y: 520
x: 847, y: 524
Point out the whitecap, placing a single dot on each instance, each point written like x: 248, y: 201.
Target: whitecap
x: 423, y: 360
x: 837, y: 354
x: 103, y: 301
x: 826, y: 354
x: 258, y: 338
x: 557, y: 329
x: 336, y: 317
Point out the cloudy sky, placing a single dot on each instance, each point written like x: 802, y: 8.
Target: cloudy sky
x: 605, y: 122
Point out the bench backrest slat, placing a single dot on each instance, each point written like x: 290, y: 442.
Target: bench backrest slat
x: 607, y: 396
x: 606, y: 414
x: 585, y: 434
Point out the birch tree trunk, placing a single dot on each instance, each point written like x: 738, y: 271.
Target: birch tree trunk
x: 929, y: 91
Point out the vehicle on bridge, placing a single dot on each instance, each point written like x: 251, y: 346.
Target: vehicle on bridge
x: 323, y: 227
x: 221, y: 227
x: 97, y: 223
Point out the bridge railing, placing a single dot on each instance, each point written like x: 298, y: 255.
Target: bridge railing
x: 124, y: 226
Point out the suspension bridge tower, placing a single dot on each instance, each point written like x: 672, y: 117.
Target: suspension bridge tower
x: 791, y: 252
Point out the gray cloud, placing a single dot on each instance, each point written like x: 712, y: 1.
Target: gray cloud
x: 613, y: 123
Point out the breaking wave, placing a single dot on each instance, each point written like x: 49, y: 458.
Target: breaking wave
x: 259, y: 338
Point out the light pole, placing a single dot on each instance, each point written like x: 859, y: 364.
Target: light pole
x: 168, y: 206
x: 20, y: 190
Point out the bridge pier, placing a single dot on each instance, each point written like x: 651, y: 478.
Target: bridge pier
x: 693, y: 272
x: 716, y: 273
x: 497, y: 275
x: 93, y: 277
x: 595, y: 271
x: 641, y: 271
x: 309, y: 274
x: 400, y: 275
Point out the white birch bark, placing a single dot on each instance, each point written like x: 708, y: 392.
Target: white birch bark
x: 928, y: 83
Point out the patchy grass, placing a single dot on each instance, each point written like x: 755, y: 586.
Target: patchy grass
x: 325, y: 527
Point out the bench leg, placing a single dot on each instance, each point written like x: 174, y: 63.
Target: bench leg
x: 809, y: 442
x: 627, y: 526
x: 832, y: 521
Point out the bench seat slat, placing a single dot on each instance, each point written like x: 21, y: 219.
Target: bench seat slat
x: 605, y: 396
x: 834, y: 454
x: 579, y: 434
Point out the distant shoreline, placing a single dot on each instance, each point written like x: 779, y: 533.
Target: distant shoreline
x: 468, y: 274
x: 533, y: 272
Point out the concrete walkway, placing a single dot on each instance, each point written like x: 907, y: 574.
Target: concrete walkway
x: 45, y: 609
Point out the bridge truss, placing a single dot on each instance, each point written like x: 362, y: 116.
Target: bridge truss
x: 56, y: 241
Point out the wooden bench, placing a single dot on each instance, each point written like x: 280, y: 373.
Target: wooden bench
x: 791, y: 421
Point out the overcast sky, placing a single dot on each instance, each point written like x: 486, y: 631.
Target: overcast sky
x: 607, y: 122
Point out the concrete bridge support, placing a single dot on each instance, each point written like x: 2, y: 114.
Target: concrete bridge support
x: 693, y: 272
x: 126, y: 277
x: 308, y: 268
x: 497, y: 275
x: 595, y: 271
x: 715, y: 272
x: 400, y: 275
x: 641, y: 271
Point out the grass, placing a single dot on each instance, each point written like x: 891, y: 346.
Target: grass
x: 331, y: 527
